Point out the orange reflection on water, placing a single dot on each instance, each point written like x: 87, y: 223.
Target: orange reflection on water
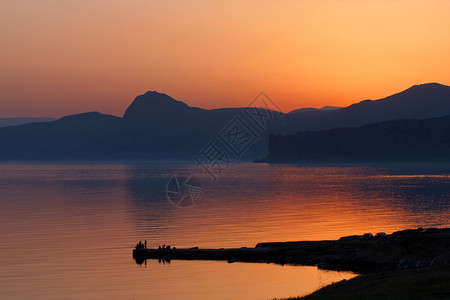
x: 68, y: 230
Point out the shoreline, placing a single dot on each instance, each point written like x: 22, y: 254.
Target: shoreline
x: 407, y: 264
x: 406, y: 249
x: 431, y: 282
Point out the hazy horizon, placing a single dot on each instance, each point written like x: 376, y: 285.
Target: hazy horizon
x: 219, y: 107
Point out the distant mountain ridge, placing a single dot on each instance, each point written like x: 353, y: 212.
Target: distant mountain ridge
x: 156, y: 126
x: 418, y: 102
x: 4, y: 122
x: 391, y: 141
x: 85, y: 135
x: 306, y: 109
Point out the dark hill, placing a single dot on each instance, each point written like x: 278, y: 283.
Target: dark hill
x: 86, y: 135
x: 5, y: 122
x: 392, y: 141
x: 156, y: 126
x: 418, y: 102
x: 308, y: 109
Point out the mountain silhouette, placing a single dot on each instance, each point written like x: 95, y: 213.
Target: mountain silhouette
x: 307, y: 109
x: 391, y: 141
x: 418, y: 102
x: 161, y: 114
x: 77, y: 136
x: 156, y: 126
x: 4, y: 122
x: 153, y: 107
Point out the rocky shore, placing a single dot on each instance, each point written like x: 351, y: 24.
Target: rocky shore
x: 406, y: 249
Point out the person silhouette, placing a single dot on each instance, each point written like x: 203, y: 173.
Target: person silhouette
x: 145, y: 244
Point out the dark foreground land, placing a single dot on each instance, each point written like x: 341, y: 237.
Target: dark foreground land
x: 407, y: 249
x: 408, y: 264
x: 414, y: 284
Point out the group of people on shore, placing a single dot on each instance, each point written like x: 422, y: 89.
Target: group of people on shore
x: 141, y: 245
x: 164, y: 247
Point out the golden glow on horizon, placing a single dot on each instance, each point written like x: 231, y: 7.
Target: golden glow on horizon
x: 63, y: 57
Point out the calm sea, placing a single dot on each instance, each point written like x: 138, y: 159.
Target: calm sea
x: 67, y: 230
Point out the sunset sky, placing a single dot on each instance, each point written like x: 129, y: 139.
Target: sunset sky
x: 64, y: 57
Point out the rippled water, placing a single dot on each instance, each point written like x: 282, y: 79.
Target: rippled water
x: 67, y: 230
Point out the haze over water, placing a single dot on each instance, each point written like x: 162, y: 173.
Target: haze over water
x: 67, y: 230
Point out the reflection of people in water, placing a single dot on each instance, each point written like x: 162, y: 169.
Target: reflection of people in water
x: 164, y: 260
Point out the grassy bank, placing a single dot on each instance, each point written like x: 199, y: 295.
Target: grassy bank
x: 425, y: 283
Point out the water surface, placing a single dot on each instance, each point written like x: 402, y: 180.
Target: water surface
x: 67, y: 230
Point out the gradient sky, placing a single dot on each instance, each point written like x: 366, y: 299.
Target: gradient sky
x: 63, y: 57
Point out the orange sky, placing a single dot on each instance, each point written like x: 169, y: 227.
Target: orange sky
x: 63, y: 57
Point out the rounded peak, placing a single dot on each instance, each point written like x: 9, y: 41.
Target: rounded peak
x: 420, y: 90
x: 155, y: 97
x: 430, y: 84
x: 426, y: 86
x: 155, y: 94
x: 93, y: 116
x: 152, y: 103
